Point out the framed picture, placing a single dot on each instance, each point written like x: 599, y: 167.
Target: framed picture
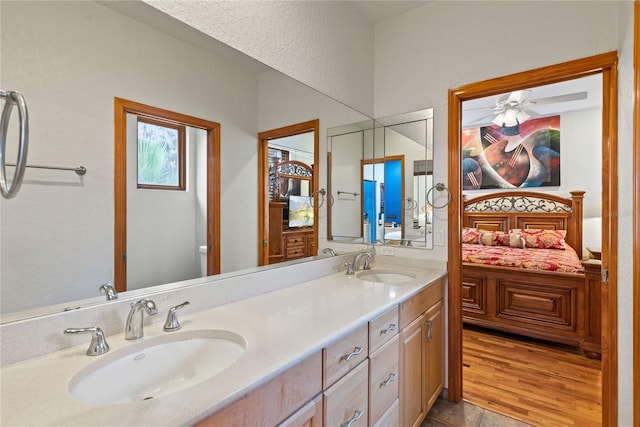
x: 495, y: 157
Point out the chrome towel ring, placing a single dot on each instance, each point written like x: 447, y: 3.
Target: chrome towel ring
x: 439, y: 187
x: 13, y: 99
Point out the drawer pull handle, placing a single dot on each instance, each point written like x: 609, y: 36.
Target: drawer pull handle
x: 356, y: 351
x: 356, y: 416
x: 392, y: 327
x: 392, y: 378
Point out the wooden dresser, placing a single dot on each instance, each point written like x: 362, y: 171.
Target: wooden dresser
x: 287, y: 244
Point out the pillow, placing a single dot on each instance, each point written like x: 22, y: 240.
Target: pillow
x: 516, y: 240
x: 543, y: 239
x: 494, y: 238
x: 471, y: 235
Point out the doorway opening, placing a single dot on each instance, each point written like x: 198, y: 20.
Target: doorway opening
x: 206, y: 153
x: 288, y: 192
x: 606, y: 64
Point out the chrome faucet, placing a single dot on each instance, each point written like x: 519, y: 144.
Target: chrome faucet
x: 329, y: 251
x: 108, y: 290
x: 133, y: 329
x: 367, y: 260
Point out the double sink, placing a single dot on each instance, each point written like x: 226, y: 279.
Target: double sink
x: 162, y: 365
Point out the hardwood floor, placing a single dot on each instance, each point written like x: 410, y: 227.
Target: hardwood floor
x: 540, y: 383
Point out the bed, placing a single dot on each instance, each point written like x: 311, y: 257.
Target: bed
x: 545, y: 291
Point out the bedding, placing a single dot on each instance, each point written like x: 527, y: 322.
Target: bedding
x: 563, y: 261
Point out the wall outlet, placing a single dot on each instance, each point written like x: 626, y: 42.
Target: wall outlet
x: 387, y: 250
x: 438, y: 238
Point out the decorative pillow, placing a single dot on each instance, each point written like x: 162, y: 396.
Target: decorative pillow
x: 543, y: 239
x: 516, y: 239
x: 471, y: 235
x: 494, y: 238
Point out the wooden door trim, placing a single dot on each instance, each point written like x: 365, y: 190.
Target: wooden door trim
x: 122, y: 107
x: 636, y: 217
x: 263, y: 180
x: 607, y: 65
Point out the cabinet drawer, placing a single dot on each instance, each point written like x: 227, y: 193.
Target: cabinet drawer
x: 383, y: 379
x: 383, y: 328
x: 419, y: 303
x: 296, y: 240
x: 295, y: 252
x: 347, y: 399
x: 391, y: 418
x: 344, y: 354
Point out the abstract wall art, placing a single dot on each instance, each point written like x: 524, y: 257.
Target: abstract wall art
x: 493, y: 157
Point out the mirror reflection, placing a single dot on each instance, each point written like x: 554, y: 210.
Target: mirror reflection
x: 57, y: 236
x: 380, y: 172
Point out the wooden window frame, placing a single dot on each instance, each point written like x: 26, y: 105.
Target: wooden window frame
x: 182, y: 143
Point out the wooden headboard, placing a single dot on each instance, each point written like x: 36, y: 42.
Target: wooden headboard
x: 505, y: 210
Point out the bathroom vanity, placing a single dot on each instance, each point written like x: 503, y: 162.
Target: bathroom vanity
x: 366, y: 348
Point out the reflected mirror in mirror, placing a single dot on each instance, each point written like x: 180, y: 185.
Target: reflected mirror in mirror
x: 57, y: 236
x: 380, y: 172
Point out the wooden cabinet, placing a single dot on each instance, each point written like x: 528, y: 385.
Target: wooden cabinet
x: 287, y: 243
x: 388, y: 372
x: 421, y: 353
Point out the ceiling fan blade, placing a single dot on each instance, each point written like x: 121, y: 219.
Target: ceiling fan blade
x: 483, y: 120
x: 560, y: 98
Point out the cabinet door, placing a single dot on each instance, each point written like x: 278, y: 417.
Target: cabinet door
x: 434, y: 353
x: 411, y: 373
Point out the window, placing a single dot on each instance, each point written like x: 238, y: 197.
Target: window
x: 161, y: 155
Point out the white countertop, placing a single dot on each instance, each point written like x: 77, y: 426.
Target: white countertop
x: 281, y: 327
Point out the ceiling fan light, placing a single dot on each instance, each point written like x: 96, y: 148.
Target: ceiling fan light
x: 498, y: 120
x: 522, y: 116
x: 510, y: 118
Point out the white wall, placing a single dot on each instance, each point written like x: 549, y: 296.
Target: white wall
x: 57, y: 234
x: 420, y: 55
x: 326, y: 45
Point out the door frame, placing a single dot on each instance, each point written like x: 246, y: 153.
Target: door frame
x: 607, y: 65
x: 122, y: 107
x: 263, y: 180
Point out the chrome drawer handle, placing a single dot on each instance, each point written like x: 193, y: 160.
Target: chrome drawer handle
x: 392, y: 378
x: 356, y: 351
x: 356, y: 416
x: 392, y: 327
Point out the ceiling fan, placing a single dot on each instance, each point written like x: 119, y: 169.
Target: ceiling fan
x: 514, y: 108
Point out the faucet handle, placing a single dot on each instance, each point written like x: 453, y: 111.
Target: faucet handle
x: 349, y: 266
x: 172, y: 323
x: 108, y: 290
x: 98, y: 343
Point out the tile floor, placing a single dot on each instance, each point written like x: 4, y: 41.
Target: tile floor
x: 463, y: 414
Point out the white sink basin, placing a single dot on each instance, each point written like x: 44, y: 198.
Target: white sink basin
x: 157, y: 367
x: 390, y: 277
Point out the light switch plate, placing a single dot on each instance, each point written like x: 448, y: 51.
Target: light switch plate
x: 387, y: 250
x: 438, y: 238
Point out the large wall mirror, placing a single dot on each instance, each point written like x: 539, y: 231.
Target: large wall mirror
x: 57, y: 235
x: 380, y: 175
